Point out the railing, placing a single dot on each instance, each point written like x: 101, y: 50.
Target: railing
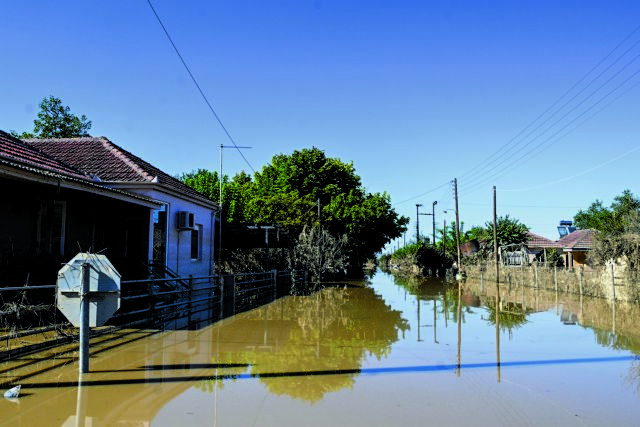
x: 240, y: 293
x: 168, y: 303
x: 158, y: 303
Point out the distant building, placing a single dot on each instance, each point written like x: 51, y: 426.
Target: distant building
x: 576, y: 246
x: 539, y: 246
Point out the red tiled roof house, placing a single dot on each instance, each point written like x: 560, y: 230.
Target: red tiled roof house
x: 539, y: 246
x: 182, y: 229
x: 52, y: 210
x: 576, y: 246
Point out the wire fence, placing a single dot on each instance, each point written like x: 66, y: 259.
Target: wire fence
x: 609, y: 281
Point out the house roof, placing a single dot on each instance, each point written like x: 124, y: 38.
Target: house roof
x: 27, y: 162
x: 19, y: 154
x: 579, y: 239
x: 99, y: 157
x: 537, y: 241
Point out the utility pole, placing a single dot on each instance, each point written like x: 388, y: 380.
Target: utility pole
x: 318, y: 210
x: 418, y: 222
x: 455, y: 189
x: 433, y: 217
x: 495, y: 235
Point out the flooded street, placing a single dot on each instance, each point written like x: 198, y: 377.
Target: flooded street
x: 376, y: 354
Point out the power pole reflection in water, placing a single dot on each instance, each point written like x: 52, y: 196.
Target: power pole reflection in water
x: 419, y: 326
x: 498, y: 329
x: 459, y: 324
x: 435, y: 338
x: 495, y: 248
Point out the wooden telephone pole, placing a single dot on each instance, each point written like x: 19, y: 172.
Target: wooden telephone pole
x: 495, y: 236
x: 455, y: 190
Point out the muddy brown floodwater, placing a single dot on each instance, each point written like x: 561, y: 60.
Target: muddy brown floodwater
x: 380, y: 353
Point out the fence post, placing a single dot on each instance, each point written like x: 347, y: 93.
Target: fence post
x: 275, y: 284
x: 228, y: 296
x: 152, y: 305
x: 190, y: 305
x: 555, y: 277
x: 535, y: 273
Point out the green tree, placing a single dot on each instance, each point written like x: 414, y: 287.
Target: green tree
x: 609, y: 220
x: 55, y: 120
x: 236, y: 193
x: 510, y: 231
x: 308, y: 188
x: 290, y: 189
x: 465, y: 236
x: 203, y: 181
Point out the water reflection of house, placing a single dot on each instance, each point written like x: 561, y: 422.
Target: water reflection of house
x: 52, y: 209
x: 182, y: 229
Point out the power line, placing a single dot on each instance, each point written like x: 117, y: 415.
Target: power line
x: 551, y: 138
x: 213, y: 111
x: 423, y: 194
x: 568, y: 178
x: 526, y: 206
x: 588, y: 170
x: 501, y: 151
x: 510, y: 146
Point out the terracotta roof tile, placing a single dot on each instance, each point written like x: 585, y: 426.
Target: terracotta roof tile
x: 579, y: 239
x: 100, y: 157
x: 537, y: 241
x: 15, y: 150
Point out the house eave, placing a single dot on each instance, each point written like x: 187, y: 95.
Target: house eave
x: 204, y: 202
x: 31, y: 174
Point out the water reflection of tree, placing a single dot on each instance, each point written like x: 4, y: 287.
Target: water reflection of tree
x: 512, y: 315
x: 329, y: 335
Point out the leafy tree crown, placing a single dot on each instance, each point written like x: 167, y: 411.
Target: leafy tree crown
x: 56, y: 120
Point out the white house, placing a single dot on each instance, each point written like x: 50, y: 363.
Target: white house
x: 182, y: 230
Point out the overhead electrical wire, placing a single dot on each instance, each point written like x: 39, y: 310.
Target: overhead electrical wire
x: 550, y: 113
x: 549, y: 140
x: 195, y: 82
x: 423, y: 194
x: 579, y: 174
x: 588, y: 170
x: 506, y: 148
x: 513, y: 163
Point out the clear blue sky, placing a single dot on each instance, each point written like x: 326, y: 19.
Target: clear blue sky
x: 414, y: 93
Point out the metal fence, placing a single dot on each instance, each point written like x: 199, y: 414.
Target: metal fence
x: 168, y: 303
